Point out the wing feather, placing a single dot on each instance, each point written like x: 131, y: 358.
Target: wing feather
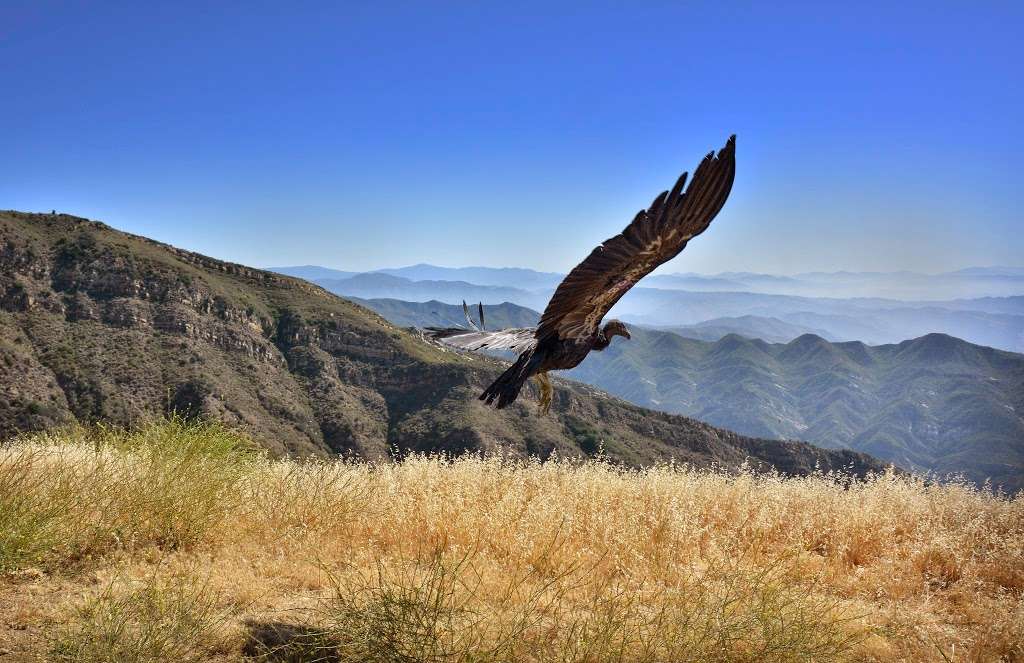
x: 467, y: 339
x: 655, y: 236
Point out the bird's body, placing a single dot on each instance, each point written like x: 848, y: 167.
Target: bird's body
x: 570, y: 327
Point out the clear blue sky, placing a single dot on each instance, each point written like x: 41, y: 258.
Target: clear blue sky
x: 871, y: 135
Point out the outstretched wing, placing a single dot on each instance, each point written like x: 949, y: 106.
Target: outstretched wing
x: 655, y: 236
x: 469, y: 318
x: 505, y: 339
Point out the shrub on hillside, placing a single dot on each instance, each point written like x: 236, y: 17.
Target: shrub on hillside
x: 175, y: 620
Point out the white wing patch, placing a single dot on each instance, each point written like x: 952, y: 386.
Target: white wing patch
x: 505, y: 339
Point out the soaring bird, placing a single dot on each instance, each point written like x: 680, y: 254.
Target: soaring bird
x: 570, y: 326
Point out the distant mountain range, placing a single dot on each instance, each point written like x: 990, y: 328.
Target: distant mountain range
x: 968, y: 283
x: 772, y: 330
x: 439, y: 314
x: 972, y: 282
x: 932, y: 403
x: 507, y: 277
x: 376, y: 285
x: 994, y: 321
x: 499, y: 316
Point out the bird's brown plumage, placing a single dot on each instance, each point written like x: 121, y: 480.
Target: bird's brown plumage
x: 570, y: 326
x: 655, y: 236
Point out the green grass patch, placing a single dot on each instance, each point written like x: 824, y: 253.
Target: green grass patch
x: 69, y: 495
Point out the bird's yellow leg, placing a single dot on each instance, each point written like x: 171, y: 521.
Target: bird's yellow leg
x: 546, y: 391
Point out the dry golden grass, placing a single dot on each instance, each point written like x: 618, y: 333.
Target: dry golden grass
x: 177, y: 543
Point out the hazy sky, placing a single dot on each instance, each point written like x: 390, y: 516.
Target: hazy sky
x: 871, y: 136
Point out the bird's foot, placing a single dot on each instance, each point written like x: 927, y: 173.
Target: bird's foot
x: 546, y: 392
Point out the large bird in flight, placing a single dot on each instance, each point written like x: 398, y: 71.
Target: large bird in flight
x: 571, y: 324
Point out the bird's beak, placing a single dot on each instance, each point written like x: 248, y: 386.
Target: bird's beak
x: 625, y: 332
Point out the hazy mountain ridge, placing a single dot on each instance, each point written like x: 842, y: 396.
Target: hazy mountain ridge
x: 932, y: 403
x: 992, y: 321
x: 440, y: 314
x: 379, y: 285
x: 100, y: 325
x: 968, y: 283
x: 769, y: 329
x: 313, y: 272
x: 871, y: 320
x: 511, y: 277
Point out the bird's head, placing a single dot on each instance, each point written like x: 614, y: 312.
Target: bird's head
x: 615, y: 328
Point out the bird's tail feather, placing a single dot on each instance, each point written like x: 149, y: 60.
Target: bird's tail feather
x: 505, y: 389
